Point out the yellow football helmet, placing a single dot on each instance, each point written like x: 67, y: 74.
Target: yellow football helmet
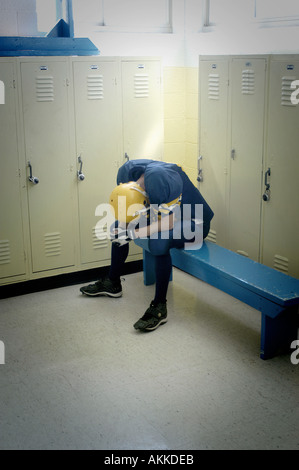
x: 127, y: 200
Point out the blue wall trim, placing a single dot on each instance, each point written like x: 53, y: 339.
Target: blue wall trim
x: 16, y: 46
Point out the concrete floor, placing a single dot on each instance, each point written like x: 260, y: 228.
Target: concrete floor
x: 78, y: 376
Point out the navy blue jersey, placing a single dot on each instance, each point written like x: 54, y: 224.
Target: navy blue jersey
x: 132, y: 170
x: 164, y: 182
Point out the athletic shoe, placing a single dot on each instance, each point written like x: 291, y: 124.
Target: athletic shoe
x: 103, y: 287
x: 155, y: 316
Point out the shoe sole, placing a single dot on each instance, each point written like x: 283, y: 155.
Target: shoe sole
x: 105, y: 294
x: 164, y: 320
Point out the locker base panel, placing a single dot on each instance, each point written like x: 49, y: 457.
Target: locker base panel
x: 63, y: 280
x: 273, y: 293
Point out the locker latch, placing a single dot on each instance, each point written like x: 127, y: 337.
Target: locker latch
x: 31, y: 178
x: 80, y: 175
x: 200, y: 175
x: 266, y: 195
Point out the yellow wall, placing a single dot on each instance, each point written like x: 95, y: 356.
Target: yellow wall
x: 181, y: 117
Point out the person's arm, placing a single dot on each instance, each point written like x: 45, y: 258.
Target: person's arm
x: 165, y: 223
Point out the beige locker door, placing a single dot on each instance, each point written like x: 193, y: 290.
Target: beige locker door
x: 247, y: 137
x: 12, y: 255
x: 46, y: 126
x: 98, y: 141
x: 213, y: 141
x: 142, y: 109
x: 281, y: 212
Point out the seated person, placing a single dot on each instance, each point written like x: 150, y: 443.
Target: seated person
x: 170, y: 219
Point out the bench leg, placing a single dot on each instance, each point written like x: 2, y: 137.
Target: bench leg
x: 278, y: 333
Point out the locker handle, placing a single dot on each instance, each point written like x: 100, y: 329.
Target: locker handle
x: 31, y: 178
x: 127, y: 157
x: 81, y: 176
x: 268, y: 173
x: 200, y: 175
x: 266, y: 195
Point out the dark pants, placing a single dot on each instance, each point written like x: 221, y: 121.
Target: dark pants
x: 160, y: 248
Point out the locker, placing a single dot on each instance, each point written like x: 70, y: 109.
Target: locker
x: 47, y: 148
x: 142, y: 108
x: 142, y: 117
x: 98, y: 146
x: 73, y: 117
x: 280, y: 212
x: 262, y: 158
x: 12, y: 250
x: 248, y: 80
x: 213, y: 141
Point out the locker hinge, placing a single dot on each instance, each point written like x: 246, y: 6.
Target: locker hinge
x: 67, y: 82
x: 14, y: 84
x: 19, y: 172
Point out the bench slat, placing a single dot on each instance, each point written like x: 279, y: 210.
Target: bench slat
x: 260, y: 279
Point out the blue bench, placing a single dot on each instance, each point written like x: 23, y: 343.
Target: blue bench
x: 273, y: 293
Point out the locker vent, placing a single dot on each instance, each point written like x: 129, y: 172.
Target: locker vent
x: 213, y: 86
x: 4, y: 252
x: 141, y: 85
x: 95, y: 87
x: 53, y: 244
x: 44, y: 88
x: 286, y: 91
x: 212, y: 237
x: 99, y: 238
x: 248, y: 82
x: 281, y: 263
